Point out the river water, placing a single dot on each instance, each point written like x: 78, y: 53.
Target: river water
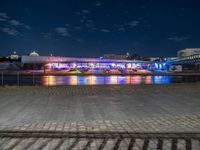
x: 95, y: 80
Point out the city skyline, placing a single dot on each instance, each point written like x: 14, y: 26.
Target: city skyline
x: 92, y: 28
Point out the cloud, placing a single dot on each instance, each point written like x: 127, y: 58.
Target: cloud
x: 78, y: 13
x: 77, y: 27
x: 10, y: 31
x: 47, y: 35
x: 80, y: 40
x: 105, y: 30
x: 90, y: 26
x: 121, y: 29
x: 15, y: 23
x: 27, y: 27
x: 3, y: 16
x: 98, y: 4
x: 178, y: 39
x: 134, y: 23
x: 85, y: 11
x: 62, y: 31
x: 11, y: 26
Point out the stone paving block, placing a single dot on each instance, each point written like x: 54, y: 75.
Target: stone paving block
x: 153, y: 143
x: 24, y: 144
x: 67, y: 144
x: 110, y: 144
x: 10, y: 144
x: 53, y: 144
x: 95, y: 144
x: 167, y: 144
x: 81, y: 144
x: 138, y: 145
x: 39, y: 144
x: 181, y: 145
x: 3, y: 140
x: 195, y: 144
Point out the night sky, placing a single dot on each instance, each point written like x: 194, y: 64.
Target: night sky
x: 90, y: 28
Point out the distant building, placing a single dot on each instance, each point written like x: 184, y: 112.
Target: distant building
x: 115, y: 56
x: 188, y: 52
x: 162, y: 58
x: 14, y: 56
x: 34, y: 53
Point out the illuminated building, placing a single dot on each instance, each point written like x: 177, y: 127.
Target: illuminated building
x: 64, y: 63
x: 188, y: 52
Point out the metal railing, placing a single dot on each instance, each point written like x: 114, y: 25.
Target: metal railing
x: 15, y: 78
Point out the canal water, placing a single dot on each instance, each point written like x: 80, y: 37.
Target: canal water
x: 95, y: 80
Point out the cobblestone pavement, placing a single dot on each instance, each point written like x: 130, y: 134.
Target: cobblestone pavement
x: 100, y: 117
x: 167, y: 133
x: 59, y: 140
x: 28, y: 104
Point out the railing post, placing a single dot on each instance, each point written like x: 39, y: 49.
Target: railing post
x: 1, y: 78
x: 48, y: 79
x: 33, y: 79
x: 17, y: 78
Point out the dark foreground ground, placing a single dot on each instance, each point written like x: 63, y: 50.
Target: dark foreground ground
x: 30, y: 104
x: 37, y: 117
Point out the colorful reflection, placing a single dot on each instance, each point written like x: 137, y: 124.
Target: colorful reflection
x: 148, y: 80
x: 104, y: 80
x: 49, y: 80
x: 136, y: 80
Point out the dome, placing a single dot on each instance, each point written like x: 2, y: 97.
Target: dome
x: 14, y: 56
x: 33, y: 54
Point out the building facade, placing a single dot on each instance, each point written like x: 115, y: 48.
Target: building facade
x: 188, y: 52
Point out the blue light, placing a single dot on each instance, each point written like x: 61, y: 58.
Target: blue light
x: 156, y: 65
x: 160, y: 66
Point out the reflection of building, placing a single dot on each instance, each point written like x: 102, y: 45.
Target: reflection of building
x: 188, y: 52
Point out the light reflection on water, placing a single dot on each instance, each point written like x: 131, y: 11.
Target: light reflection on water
x: 104, y: 80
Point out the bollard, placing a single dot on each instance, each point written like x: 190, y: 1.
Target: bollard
x: 1, y: 78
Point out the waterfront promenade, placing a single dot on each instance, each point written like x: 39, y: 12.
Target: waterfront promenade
x: 103, y: 110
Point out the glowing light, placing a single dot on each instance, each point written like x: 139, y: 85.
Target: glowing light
x: 92, y: 80
x: 74, y: 65
x: 73, y: 80
x: 156, y: 65
x: 49, y: 80
x: 136, y: 80
x: 160, y: 66
x: 148, y: 80
x: 129, y: 65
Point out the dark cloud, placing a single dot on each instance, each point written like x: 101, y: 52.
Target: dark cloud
x: 10, y: 31
x: 178, y: 38
x: 62, y: 31
x: 98, y: 4
x: 105, y: 30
